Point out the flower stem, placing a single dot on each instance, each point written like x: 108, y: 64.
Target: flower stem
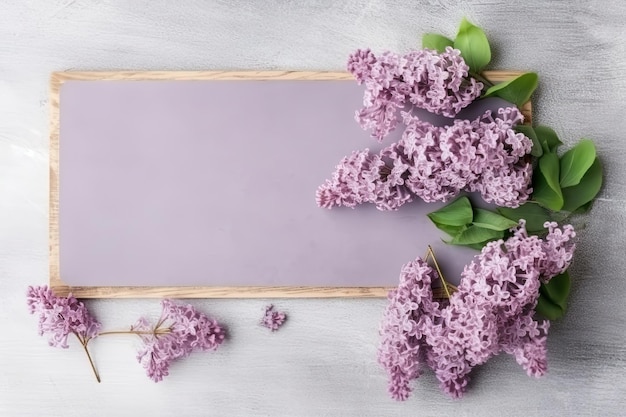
x: 138, y: 332
x: 93, y: 367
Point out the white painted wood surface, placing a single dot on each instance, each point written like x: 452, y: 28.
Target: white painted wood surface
x: 322, y: 363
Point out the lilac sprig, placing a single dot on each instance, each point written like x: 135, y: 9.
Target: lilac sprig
x: 492, y: 312
x: 61, y: 316
x: 485, y: 155
x: 180, y: 330
x: 437, y: 82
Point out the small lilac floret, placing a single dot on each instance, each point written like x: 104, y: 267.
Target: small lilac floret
x: 272, y: 318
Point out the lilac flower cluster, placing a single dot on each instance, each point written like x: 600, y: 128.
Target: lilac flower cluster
x: 273, y: 319
x: 180, y: 331
x: 437, y: 82
x: 61, y: 316
x: 485, y: 155
x: 491, y: 312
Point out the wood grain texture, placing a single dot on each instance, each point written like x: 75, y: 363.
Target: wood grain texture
x: 227, y: 292
x: 60, y: 287
x: 323, y: 361
x: 200, y: 76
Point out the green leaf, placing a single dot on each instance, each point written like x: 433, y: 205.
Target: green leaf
x: 529, y: 132
x: 475, y: 234
x: 516, y: 91
x: 547, y: 309
x: 553, y: 296
x: 457, y: 213
x: 584, y: 208
x: 534, y: 215
x: 474, y: 46
x: 585, y: 191
x: 490, y: 220
x: 436, y: 42
x: 576, y: 162
x: 547, y: 190
x: 477, y: 246
x: 450, y: 230
x: 548, y: 138
x: 557, y: 289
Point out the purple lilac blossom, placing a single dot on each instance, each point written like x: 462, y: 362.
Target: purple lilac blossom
x: 61, y: 316
x: 181, y: 329
x: 437, y: 82
x: 362, y: 178
x: 492, y: 312
x: 485, y: 155
x: 272, y: 318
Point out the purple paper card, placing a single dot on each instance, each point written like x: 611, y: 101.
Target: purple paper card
x: 212, y: 183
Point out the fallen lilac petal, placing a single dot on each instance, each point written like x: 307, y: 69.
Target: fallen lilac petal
x: 273, y: 319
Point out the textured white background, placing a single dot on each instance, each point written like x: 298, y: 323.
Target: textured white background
x: 323, y: 361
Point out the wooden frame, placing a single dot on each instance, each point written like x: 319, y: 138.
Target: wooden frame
x: 62, y: 289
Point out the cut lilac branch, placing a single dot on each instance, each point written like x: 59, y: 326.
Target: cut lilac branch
x: 437, y: 82
x: 437, y: 163
x: 61, y: 316
x: 179, y: 331
x: 492, y: 311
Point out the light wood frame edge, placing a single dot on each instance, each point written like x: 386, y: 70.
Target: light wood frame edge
x: 62, y: 289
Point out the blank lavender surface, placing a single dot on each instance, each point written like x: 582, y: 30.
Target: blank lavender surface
x: 212, y: 183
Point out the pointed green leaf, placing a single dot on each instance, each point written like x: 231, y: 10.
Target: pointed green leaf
x: 474, y: 46
x: 547, y: 190
x: 457, y: 213
x: 585, y: 191
x: 534, y: 215
x: 490, y: 220
x: 553, y: 296
x: 516, y: 91
x: 436, y: 42
x: 529, y: 132
x: 475, y: 234
x: 548, y: 309
x: 582, y: 209
x: 546, y: 196
x: 557, y: 289
x: 548, y: 138
x: 576, y: 162
x: 450, y: 230
x: 477, y: 246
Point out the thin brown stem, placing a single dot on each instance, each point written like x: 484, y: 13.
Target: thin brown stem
x: 137, y: 332
x: 84, y: 343
x: 430, y: 253
x: 160, y: 323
